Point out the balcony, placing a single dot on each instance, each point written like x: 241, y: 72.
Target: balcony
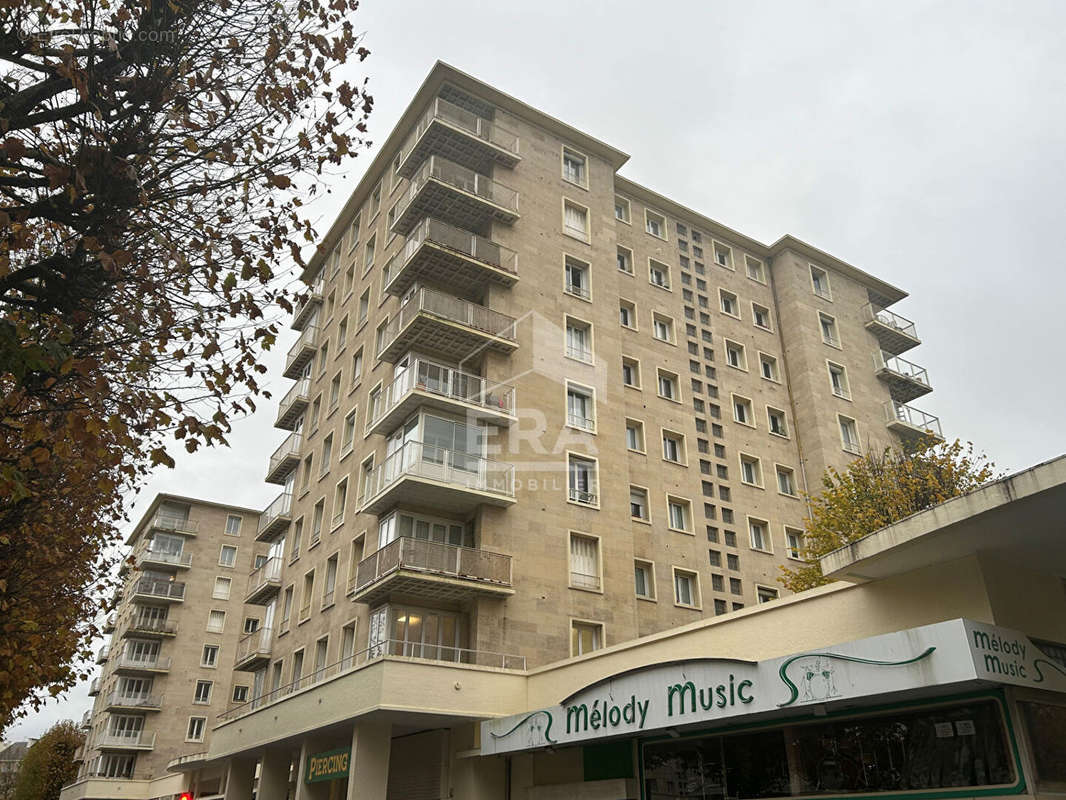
x: 905, y: 380
x: 301, y: 353
x: 305, y: 310
x: 275, y: 518
x: 142, y: 666
x: 293, y: 404
x: 135, y: 740
x: 169, y: 523
x: 444, y: 324
x: 467, y: 138
x: 264, y: 582
x: 109, y: 623
x: 94, y: 687
x: 448, y: 480
x: 253, y: 650
x: 154, y: 589
x: 441, y: 253
x: 132, y: 702
x: 895, y: 334
x: 87, y: 719
x: 454, y: 194
x: 426, y: 383
x: 150, y: 628
x: 102, y: 654
x: 160, y: 560
x: 431, y: 571
x: 284, y: 460
x: 911, y: 424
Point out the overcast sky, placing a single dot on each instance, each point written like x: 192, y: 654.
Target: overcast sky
x: 921, y: 141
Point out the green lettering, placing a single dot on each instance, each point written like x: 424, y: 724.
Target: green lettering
x: 680, y: 690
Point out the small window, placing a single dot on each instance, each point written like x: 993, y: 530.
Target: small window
x: 375, y: 202
x: 849, y: 435
x: 585, y: 562
x: 735, y: 355
x: 348, y: 433
x: 638, y: 503
x: 364, y: 306
x: 342, y: 335
x: 582, y: 480
x: 575, y: 168
x: 576, y: 220
x: 686, y: 588
x: 759, y: 532
x: 240, y: 694
x: 625, y: 260
x: 195, y: 731
x: 786, y: 480
x: 679, y: 514
x: 221, y: 590
x: 742, y: 412
x: 668, y: 386
x: 764, y: 594
x: 327, y: 455
x: 216, y: 621
x: 202, y: 695
x: 820, y: 283
x: 728, y: 303
x: 353, y: 232
x: 755, y: 269
x: 794, y: 543
x: 209, y: 656
x: 233, y: 525
x: 768, y: 368
x: 630, y: 372
x: 251, y: 624
x: 658, y: 274
x: 838, y: 381
x: 357, y: 367
x: 340, y: 500
x: 775, y: 420
x: 334, y: 392
x: 750, y: 470
x: 663, y: 328
x: 622, y: 211
x: 655, y: 223
x: 627, y: 314
x: 369, y: 252
x: 635, y: 435
x: 577, y: 278
x: 760, y: 315
x: 828, y: 326
x: 723, y: 255
x: 227, y: 557
x: 673, y: 447
x: 644, y: 579
x: 579, y: 340
x: 585, y: 637
x: 580, y: 408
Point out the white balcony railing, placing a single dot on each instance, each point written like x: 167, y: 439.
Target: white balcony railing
x: 872, y: 312
x: 461, y: 178
x: 433, y: 558
x: 462, y: 470
x: 120, y: 700
x: 164, y: 557
x: 461, y: 241
x: 450, y: 308
x: 290, y: 448
x: 132, y: 739
x: 175, y: 524
x: 446, y: 382
x: 303, y: 346
x: 901, y: 367
x: 154, y: 587
x: 269, y: 572
x: 468, y: 121
x: 256, y: 643
x: 157, y: 664
x: 898, y: 412
x: 281, y: 507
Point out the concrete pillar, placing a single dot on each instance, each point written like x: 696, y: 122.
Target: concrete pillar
x: 368, y: 773
x: 240, y: 777
x: 305, y: 790
x: 274, y: 775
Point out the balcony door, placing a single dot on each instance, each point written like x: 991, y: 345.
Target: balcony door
x: 167, y: 544
x: 415, y: 633
x: 153, y: 617
x: 126, y: 726
x: 142, y: 652
x: 454, y: 447
x: 401, y: 451
x: 135, y: 688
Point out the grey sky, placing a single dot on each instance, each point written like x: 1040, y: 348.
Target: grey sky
x: 921, y: 141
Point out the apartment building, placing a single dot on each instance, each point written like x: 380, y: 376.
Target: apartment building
x: 180, y: 628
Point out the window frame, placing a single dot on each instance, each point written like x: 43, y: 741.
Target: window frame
x: 828, y: 295
x: 723, y: 293
x: 573, y: 454
x: 755, y: 308
x: 669, y: 323
x: 587, y: 266
x: 649, y: 582
x: 567, y: 149
x: 602, y: 630
x: 732, y: 265
x: 629, y: 260
x: 778, y: 469
x: 748, y: 259
x: 733, y: 397
x: 774, y: 362
x: 571, y: 535
x: 643, y: 437
x: 628, y: 219
x: 840, y: 431
x: 639, y: 385
x: 845, y: 389
x: 647, y: 504
x: 682, y: 446
x: 659, y: 372
x: 698, y: 590
x: 769, y: 423
x: 581, y: 388
x: 664, y: 225
x: 663, y: 267
x: 766, y: 535
x: 687, y: 514
x: 760, y: 477
x: 728, y: 344
x: 587, y: 237
x: 567, y: 319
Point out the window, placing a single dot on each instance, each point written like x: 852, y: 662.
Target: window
x: 775, y: 419
x: 327, y: 455
x: 584, y: 562
x: 577, y: 278
x: 760, y: 315
x: 755, y: 269
x: 655, y: 223
x: 582, y: 483
x: 631, y: 372
x: 375, y: 202
x: 679, y: 514
x: 644, y: 579
x: 348, y: 645
x: 625, y: 260
x: 828, y: 327
x: 353, y: 232
x: 622, y: 211
x: 580, y: 408
x: 251, y: 624
x: 750, y: 470
x: 317, y: 515
x: 203, y: 692
x: 348, y: 433
x: 221, y: 590
x: 308, y: 593
x: 286, y: 608
x: 820, y: 283
x: 663, y: 328
x: 668, y: 386
x: 635, y: 435
x: 233, y: 525
x: 297, y: 537
x: 240, y: 694
x: 723, y: 255
x: 658, y: 274
x: 764, y: 594
x: 838, y: 381
x: 216, y: 621
x: 758, y: 531
x: 578, y: 340
x: 768, y: 367
x: 786, y: 480
x: 727, y: 301
x: 340, y: 500
x: 686, y: 588
x: 357, y: 367
x: 335, y: 392
x: 227, y: 557
x: 742, y: 412
x: 209, y: 655
x: 585, y: 637
x: 673, y: 447
x: 638, y: 503
x: 314, y: 413
x: 575, y: 220
x: 794, y: 543
x: 627, y: 314
x: 369, y: 252
x: 364, y: 306
x: 735, y: 355
x: 342, y: 334
x: 329, y: 586
x: 575, y: 167
x: 849, y: 434
x: 195, y: 731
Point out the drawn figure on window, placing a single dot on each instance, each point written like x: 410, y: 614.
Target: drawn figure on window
x: 818, y: 680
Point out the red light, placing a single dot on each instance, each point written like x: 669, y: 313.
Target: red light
x: 185, y: 796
